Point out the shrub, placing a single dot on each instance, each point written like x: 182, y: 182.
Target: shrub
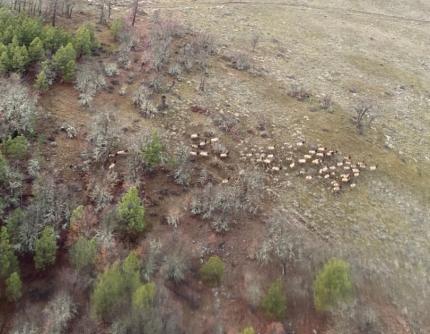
x: 143, y: 297
x: 275, y: 302
x: 45, y: 248
x: 131, y: 211
x: 83, y: 253
x: 8, y: 259
x: 213, y: 270
x: 332, y: 285
x: 248, y: 330
x: 13, y: 287
x: 16, y: 148
x: 64, y: 61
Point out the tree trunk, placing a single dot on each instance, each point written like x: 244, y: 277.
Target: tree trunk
x: 54, y: 13
x: 135, y: 8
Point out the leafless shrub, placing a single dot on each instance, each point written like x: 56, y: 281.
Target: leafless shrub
x: 89, y: 81
x: 255, y: 39
x: 225, y: 122
x: 240, y: 61
x: 17, y: 108
x: 224, y: 204
x: 219, y: 148
x: 299, y: 92
x: 26, y: 328
x: 326, y: 103
x: 58, y: 313
x: 33, y: 168
x: 204, y: 177
x: 104, y: 137
x: 50, y: 207
x: 364, y: 116
x: 143, y: 99
x: 111, y: 69
x: 175, y: 265
x: 160, y: 39
x: 175, y: 70
x: 102, y: 196
x: 69, y: 130
x: 183, y: 167
x: 153, y: 260
x: 284, y: 242
x: 254, y: 294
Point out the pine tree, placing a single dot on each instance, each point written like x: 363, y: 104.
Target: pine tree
x: 46, y: 248
x: 131, y: 211
x: 84, y: 41
x: 36, y: 50
x: 64, y: 61
x: 42, y: 82
x: 275, y: 302
x: 83, y: 253
x: 332, y: 285
x: 13, y: 287
x: 8, y: 259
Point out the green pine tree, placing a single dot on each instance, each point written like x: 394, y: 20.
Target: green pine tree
x: 36, y: 50
x: 131, y: 211
x: 8, y: 259
x: 45, y: 249
x: 13, y: 287
x: 332, y: 285
x: 64, y: 61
